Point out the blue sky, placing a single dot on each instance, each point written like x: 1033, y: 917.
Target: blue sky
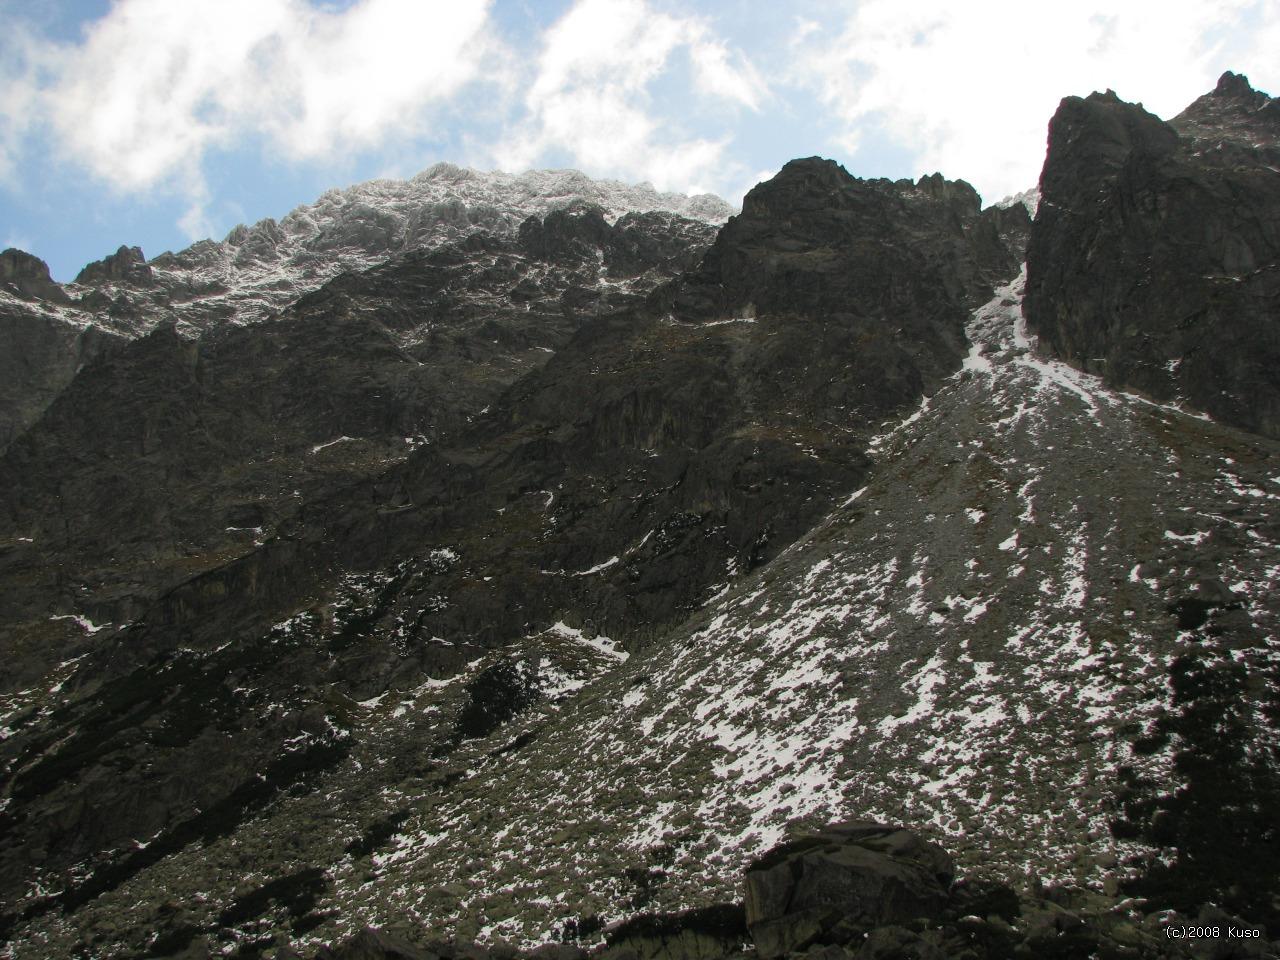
x: 158, y: 122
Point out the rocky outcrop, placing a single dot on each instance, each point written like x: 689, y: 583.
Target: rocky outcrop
x: 816, y: 239
x: 1154, y: 260
x: 151, y: 464
x: 1234, y: 124
x: 126, y: 266
x: 39, y: 356
x: 842, y: 882
x: 27, y: 278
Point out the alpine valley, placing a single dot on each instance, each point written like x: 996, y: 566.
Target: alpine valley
x: 484, y: 566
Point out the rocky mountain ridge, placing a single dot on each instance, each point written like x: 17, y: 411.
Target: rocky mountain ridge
x: 803, y: 527
x: 173, y: 455
x: 257, y: 271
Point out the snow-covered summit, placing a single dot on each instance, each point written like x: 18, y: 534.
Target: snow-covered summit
x: 1028, y: 198
x: 257, y: 270
x: 446, y: 200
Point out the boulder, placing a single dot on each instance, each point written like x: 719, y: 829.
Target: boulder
x: 847, y: 879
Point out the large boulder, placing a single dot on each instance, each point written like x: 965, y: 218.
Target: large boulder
x: 849, y: 878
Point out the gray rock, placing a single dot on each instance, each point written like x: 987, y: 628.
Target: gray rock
x: 127, y: 265
x: 27, y: 278
x: 848, y: 878
x: 898, y: 943
x: 1153, y: 257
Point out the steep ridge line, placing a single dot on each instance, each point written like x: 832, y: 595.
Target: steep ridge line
x: 49, y: 331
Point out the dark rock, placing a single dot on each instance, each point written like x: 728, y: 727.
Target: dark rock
x: 370, y: 944
x: 27, y: 277
x: 898, y: 943
x: 816, y: 239
x: 39, y: 356
x: 708, y: 933
x: 1233, y: 123
x: 832, y: 951
x: 557, y: 951
x: 1045, y: 926
x: 1154, y: 259
x: 848, y: 879
x: 126, y: 265
x: 640, y: 241
x: 573, y: 233
x: 999, y: 232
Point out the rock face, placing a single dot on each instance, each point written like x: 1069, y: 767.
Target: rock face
x: 843, y: 881
x: 27, y: 277
x: 172, y: 455
x: 1154, y: 260
x: 259, y: 271
x: 126, y: 265
x: 40, y: 353
x: 814, y: 238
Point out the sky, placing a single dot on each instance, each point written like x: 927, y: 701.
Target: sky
x: 155, y: 123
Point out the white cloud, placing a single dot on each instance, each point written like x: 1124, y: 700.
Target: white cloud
x: 970, y: 88
x: 593, y: 95
x: 19, y: 65
x: 716, y: 76
x: 156, y: 85
x: 659, y: 90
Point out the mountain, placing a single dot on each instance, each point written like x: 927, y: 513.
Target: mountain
x: 172, y: 454
x: 527, y: 586
x: 258, y: 271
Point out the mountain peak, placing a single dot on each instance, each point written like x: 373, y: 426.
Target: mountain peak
x: 1236, y: 85
x: 126, y: 265
x: 27, y: 277
x: 1234, y: 112
x: 1106, y: 156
